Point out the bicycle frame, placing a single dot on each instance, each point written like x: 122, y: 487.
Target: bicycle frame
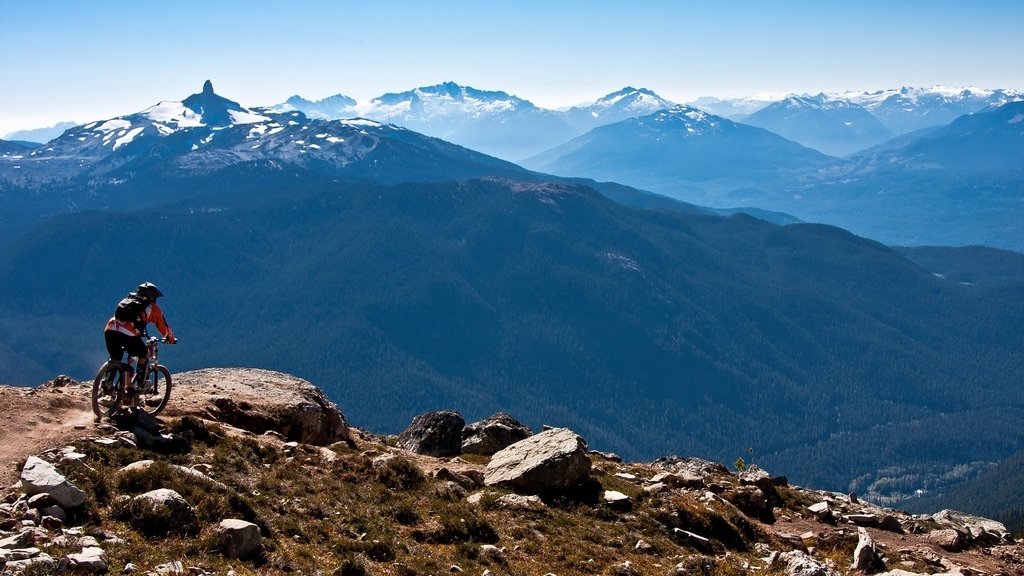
x: 112, y: 387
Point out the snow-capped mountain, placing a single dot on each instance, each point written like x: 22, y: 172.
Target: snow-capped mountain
x: 495, y: 123
x: 736, y: 109
x: 833, y: 126
x: 331, y: 108
x: 492, y: 122
x: 209, y: 144
x: 626, y: 103
x: 908, y: 109
x: 205, y: 132
x: 901, y: 110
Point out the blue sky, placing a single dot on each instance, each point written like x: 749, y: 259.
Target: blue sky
x: 84, y: 60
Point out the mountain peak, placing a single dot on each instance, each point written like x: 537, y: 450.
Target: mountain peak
x: 213, y: 109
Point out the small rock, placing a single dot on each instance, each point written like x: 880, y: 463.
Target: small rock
x: 90, y: 559
x: 865, y: 556
x: 492, y: 552
x: 617, y: 500
x: 238, y: 538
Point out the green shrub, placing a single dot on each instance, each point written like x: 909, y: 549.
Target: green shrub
x: 400, y: 474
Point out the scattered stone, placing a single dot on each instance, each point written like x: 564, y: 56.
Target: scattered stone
x: 38, y: 562
x: 450, y: 490
x: 696, y: 540
x: 865, y: 557
x: 801, y: 564
x: 492, y: 553
x: 667, y: 478
x: 191, y: 472
x: 948, y: 539
x: 890, y: 523
x: 862, y: 519
x: 465, y: 481
x: 751, y: 500
x: 643, y: 547
x: 41, y: 500
x: 51, y: 522
x: 617, y: 500
x: 90, y: 559
x: 437, y: 433
x: 174, y: 567
x: 492, y: 434
x: 238, y: 538
x: 553, y: 460
x: 754, y: 476
x: 163, y: 510
x: 656, y: 488
x: 819, y: 509
x: 39, y: 476
x: 626, y: 476
x: 609, y: 456
x: 520, y: 502
x: 793, y: 541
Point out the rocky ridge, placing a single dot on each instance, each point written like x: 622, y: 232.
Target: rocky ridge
x: 257, y: 472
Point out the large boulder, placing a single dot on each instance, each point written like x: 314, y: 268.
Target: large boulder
x: 492, y: 434
x: 260, y: 401
x: 948, y: 539
x: 553, y: 460
x: 436, y: 433
x: 976, y: 527
x: 40, y: 477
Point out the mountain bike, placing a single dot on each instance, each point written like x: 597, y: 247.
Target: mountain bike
x: 112, y: 389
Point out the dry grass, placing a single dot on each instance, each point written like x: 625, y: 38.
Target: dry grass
x: 346, y: 516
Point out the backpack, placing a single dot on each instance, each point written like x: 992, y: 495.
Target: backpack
x: 130, y: 308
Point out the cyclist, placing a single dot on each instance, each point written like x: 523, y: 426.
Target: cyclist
x: 127, y: 326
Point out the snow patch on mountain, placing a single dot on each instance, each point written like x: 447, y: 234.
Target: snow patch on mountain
x: 173, y: 113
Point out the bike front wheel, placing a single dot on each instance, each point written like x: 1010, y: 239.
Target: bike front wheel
x: 153, y: 398
x: 106, y: 390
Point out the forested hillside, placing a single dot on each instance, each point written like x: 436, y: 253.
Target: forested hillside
x: 652, y: 332
x: 995, y: 493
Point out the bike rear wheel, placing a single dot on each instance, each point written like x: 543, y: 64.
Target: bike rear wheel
x: 153, y: 398
x: 106, y: 390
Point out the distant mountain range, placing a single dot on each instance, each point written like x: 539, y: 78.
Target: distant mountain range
x: 900, y: 110
x: 910, y: 190
x: 835, y: 127
x: 955, y: 185
x: 514, y: 129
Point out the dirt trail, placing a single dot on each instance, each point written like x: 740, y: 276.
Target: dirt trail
x: 33, y: 420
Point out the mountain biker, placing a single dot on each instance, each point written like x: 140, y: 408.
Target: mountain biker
x: 126, y: 327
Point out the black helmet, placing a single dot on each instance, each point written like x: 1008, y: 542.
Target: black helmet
x: 149, y: 291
